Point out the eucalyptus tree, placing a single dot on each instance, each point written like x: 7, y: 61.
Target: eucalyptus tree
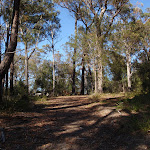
x: 129, y: 35
x: 81, y: 14
x: 86, y: 19
x: 32, y: 25
x: 83, y: 49
x: 144, y: 22
x: 73, y: 7
x: 6, y: 11
x: 52, y: 28
x: 104, y: 13
x: 9, y: 54
x: 143, y: 58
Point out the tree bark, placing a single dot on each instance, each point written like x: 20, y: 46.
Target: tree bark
x: 53, y: 64
x: 5, y: 64
x: 74, y: 58
x: 83, y: 65
x: 90, y: 82
x: 128, y: 60
x: 1, y: 86
x: 100, y: 77
x: 86, y: 83
x: 95, y: 76
x: 26, y: 67
x: 82, y: 81
x: 12, y: 78
x: 6, y: 47
x: 100, y: 68
x: 99, y: 43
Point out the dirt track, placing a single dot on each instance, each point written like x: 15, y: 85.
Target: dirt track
x: 71, y: 123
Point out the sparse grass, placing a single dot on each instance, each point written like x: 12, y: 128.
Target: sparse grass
x: 101, y: 97
x: 137, y: 123
x: 137, y: 103
x: 42, y: 99
x: 95, y: 97
x: 141, y: 105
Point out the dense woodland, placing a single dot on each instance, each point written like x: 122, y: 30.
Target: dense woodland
x: 108, y: 53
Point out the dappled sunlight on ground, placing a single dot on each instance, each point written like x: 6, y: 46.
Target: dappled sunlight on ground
x: 71, y: 123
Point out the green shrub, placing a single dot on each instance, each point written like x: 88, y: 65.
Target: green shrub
x: 19, y: 101
x: 95, y: 97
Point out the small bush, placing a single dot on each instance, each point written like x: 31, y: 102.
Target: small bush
x: 19, y: 101
x: 95, y: 97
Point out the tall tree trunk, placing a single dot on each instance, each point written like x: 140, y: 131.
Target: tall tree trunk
x: 6, y: 47
x: 26, y: 67
x: 90, y: 85
x: 53, y: 64
x: 83, y: 65
x: 1, y: 86
x: 95, y: 76
x: 12, y: 78
x: 5, y: 64
x: 74, y: 58
x: 100, y: 77
x: 82, y: 81
x: 99, y: 58
x: 86, y: 83
x: 128, y: 60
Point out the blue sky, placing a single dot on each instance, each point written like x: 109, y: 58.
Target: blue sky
x: 67, y: 24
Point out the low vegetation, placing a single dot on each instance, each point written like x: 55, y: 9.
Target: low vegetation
x: 136, y: 105
x: 139, y: 105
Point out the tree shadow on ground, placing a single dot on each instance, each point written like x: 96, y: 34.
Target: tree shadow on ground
x: 72, y: 123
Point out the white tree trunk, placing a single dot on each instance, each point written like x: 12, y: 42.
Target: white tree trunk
x: 128, y: 59
x: 95, y: 76
x: 100, y: 77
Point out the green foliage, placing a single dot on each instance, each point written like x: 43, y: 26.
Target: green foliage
x: 19, y: 101
x: 63, y: 79
x: 20, y: 89
x: 44, y: 77
x: 117, y: 66
x: 34, y: 21
x: 136, y: 83
x: 138, y: 124
x: 144, y: 74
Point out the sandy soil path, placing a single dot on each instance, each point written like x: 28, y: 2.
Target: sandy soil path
x: 71, y: 123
